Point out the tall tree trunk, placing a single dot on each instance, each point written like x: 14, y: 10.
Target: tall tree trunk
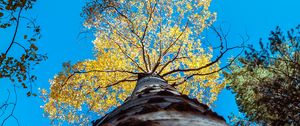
x: 155, y: 103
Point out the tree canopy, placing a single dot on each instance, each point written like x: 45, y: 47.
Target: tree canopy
x: 266, y: 81
x: 14, y: 19
x: 160, y: 37
x: 19, y: 53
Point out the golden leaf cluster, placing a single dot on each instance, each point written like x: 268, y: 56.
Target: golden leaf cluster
x: 161, y: 37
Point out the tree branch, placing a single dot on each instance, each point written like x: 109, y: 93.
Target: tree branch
x: 13, y: 109
x: 15, y: 32
x: 143, y: 37
x: 101, y: 71
x: 203, y: 74
x: 115, y: 83
x: 130, y: 58
x: 202, y: 67
x: 170, y: 61
x: 166, y: 51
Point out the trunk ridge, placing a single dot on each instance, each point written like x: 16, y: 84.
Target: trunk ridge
x: 156, y: 103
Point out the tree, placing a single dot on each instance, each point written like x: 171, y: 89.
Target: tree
x: 156, y: 103
x: 266, y: 81
x: 21, y: 52
x: 133, y: 38
x: 13, y: 66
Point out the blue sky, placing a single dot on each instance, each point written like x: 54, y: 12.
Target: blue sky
x: 61, y: 25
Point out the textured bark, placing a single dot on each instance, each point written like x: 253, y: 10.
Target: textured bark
x: 155, y: 103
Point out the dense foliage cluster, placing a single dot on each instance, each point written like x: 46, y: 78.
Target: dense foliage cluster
x: 160, y: 37
x: 267, y: 81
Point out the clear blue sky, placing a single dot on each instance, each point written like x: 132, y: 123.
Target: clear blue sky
x: 61, y: 24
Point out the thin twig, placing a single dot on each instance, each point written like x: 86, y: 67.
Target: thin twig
x: 13, y: 109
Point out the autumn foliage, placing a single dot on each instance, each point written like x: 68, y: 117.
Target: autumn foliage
x: 160, y: 37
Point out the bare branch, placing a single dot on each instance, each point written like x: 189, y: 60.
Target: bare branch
x: 143, y: 37
x: 173, y: 43
x: 15, y: 32
x: 137, y: 65
x: 170, y: 61
x: 20, y: 45
x: 13, y: 109
x: 159, y: 57
x: 131, y: 23
x: 166, y: 51
x: 122, y: 35
x: 124, y: 52
x: 204, y: 74
x: 202, y: 67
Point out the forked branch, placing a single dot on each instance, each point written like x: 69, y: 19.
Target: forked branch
x: 162, y: 54
x: 209, y: 73
x: 202, y: 67
x: 143, y: 37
